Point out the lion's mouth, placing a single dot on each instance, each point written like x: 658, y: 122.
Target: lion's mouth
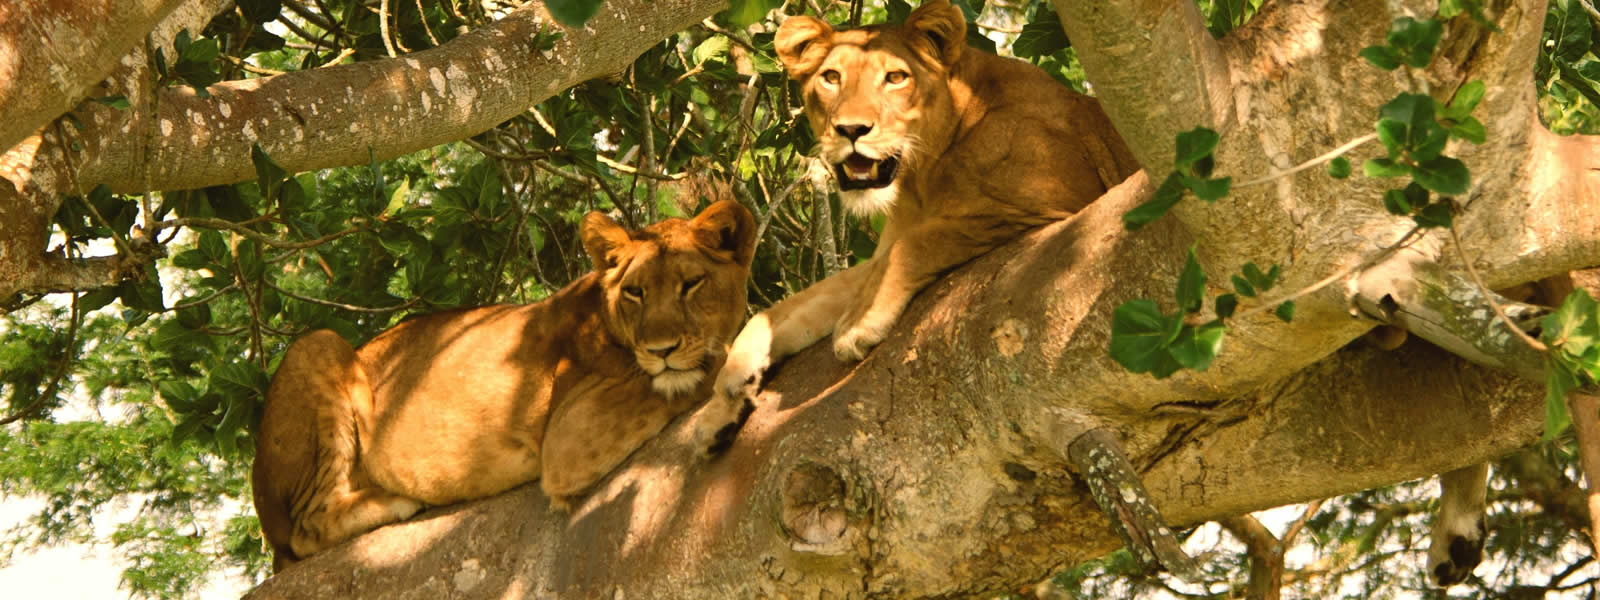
x: 858, y: 172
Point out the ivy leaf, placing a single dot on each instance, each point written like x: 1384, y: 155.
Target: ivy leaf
x: 1470, y: 129
x: 1167, y: 196
x: 1210, y: 190
x: 1466, y: 98
x: 1382, y: 57
x: 1443, y: 175
x: 1140, y: 334
x: 1415, y: 40
x: 1384, y: 167
x: 1395, y: 202
x: 1339, y: 168
x: 1436, y: 214
x: 1285, y: 311
x: 1191, y: 285
x: 1194, y: 145
x: 1197, y: 347
x: 1226, y: 304
x: 1574, y: 328
x: 1393, y: 134
x: 1242, y: 286
x: 119, y: 102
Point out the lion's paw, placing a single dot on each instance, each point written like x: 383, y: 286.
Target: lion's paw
x: 1459, y: 552
x: 719, y: 422
x: 851, y: 345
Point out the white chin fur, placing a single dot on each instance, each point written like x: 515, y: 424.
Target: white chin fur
x: 672, y: 382
x: 865, y: 203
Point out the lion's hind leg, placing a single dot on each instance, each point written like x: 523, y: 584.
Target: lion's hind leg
x: 310, y: 491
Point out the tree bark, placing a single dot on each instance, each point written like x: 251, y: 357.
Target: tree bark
x: 306, y: 120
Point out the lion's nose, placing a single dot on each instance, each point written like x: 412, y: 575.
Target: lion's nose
x: 663, y: 351
x: 852, y: 131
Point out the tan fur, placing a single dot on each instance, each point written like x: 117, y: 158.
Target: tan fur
x: 470, y: 403
x: 987, y: 148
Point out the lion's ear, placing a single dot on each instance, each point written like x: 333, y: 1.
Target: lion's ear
x: 601, y: 237
x: 728, y: 226
x: 802, y: 43
x: 944, y: 25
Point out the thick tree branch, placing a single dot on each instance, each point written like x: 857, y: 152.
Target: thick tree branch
x: 936, y: 464
x: 51, y: 53
x: 332, y: 117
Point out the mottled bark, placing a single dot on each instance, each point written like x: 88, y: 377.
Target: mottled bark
x: 52, y: 52
x: 307, y: 120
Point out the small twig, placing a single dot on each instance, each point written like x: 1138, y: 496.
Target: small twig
x: 1489, y: 296
x: 383, y: 27
x: 1406, y: 240
x: 1332, y: 154
x: 631, y: 170
x: 350, y: 307
x: 242, y: 228
x: 425, y: 27
x: 251, y: 68
x: 204, y: 299
x: 1300, y: 523
x: 121, y: 243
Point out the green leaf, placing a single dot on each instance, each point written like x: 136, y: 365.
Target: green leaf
x: 1466, y: 98
x: 1285, y: 311
x: 1197, y: 347
x: 142, y: 295
x: 897, y: 10
x: 1210, y: 190
x: 1395, y: 202
x: 1339, y: 167
x: 1443, y: 175
x: 178, y: 394
x: 1242, y: 286
x: 1411, y: 109
x: 1167, y: 196
x: 1436, y: 214
x: 215, y: 248
x: 202, y: 51
x: 1191, y: 284
x: 1384, y: 167
x: 190, y: 259
x: 269, y: 176
x: 1568, y: 30
x: 237, y: 379
x: 1469, y: 129
x: 1382, y: 57
x: 1415, y: 40
x: 744, y: 12
x: 713, y: 48
x: 1558, y: 382
x: 1041, y: 37
x: 397, y: 200
x: 172, y: 335
x: 1226, y: 305
x: 1574, y: 328
x: 1194, y: 145
x: 574, y: 13
x: 195, y: 317
x: 1140, y: 334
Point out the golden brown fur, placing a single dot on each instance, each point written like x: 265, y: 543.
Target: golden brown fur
x: 470, y: 403
x: 963, y: 151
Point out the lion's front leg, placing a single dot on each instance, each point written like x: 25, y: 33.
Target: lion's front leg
x: 784, y: 329
x: 914, y: 260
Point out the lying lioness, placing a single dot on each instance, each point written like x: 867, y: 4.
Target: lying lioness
x: 963, y: 150
x: 470, y: 403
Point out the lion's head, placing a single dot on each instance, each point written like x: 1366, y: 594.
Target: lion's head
x: 878, y: 97
x: 674, y: 291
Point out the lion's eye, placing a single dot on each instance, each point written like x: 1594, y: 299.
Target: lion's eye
x: 896, y: 77
x: 831, y: 76
x: 691, y: 285
x: 633, y: 292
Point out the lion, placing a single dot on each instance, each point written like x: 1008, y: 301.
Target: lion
x: 962, y: 151
x: 470, y: 403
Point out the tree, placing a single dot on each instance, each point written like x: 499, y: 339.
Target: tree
x: 938, y: 466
